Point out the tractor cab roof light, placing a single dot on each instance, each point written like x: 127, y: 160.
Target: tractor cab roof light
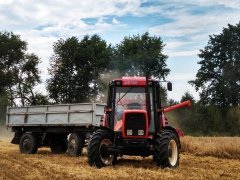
x: 118, y: 83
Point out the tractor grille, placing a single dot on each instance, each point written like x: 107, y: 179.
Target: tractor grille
x: 135, y: 124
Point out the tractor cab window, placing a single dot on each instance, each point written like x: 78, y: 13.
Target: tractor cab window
x: 129, y: 98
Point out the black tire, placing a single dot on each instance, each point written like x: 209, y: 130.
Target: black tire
x: 59, y: 145
x: 166, y: 149
x: 28, y: 144
x: 97, y: 155
x: 75, y: 144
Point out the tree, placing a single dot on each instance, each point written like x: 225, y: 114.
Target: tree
x: 187, y: 96
x: 142, y: 56
x: 41, y: 99
x: 3, y: 109
x: 218, y: 78
x: 18, y: 70
x: 76, y: 67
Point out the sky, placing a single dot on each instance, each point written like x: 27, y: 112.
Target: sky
x: 184, y: 27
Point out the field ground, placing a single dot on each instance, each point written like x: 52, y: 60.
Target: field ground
x: 45, y: 165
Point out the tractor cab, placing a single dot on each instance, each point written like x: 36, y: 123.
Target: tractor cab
x: 134, y: 124
x: 131, y: 108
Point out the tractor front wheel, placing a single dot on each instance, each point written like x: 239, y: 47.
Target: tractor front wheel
x: 98, y: 149
x: 166, y: 148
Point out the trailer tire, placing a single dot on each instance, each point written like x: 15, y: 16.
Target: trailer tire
x: 28, y: 144
x: 75, y: 144
x: 59, y: 146
x: 96, y: 153
x: 166, y: 149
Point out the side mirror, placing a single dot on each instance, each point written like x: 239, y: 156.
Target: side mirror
x: 169, y: 86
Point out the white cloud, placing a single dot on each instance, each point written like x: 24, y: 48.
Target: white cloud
x: 115, y: 21
x: 181, y: 85
x: 41, y: 23
x: 235, y: 4
x: 179, y: 88
x: 4, y: 2
x: 182, y: 53
x: 182, y: 76
x: 187, y: 33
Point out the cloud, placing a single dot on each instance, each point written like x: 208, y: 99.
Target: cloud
x: 41, y: 23
x: 115, y: 21
x: 184, y: 26
x: 182, y: 53
x: 234, y: 4
x: 182, y: 76
x: 180, y: 85
x: 189, y: 31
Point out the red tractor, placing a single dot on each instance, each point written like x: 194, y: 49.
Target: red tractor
x: 134, y: 124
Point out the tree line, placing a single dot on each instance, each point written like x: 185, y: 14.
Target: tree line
x: 80, y: 69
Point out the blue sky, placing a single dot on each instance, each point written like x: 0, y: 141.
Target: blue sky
x: 184, y: 26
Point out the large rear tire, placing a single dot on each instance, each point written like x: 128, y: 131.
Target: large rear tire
x: 166, y: 149
x: 28, y: 144
x: 75, y: 144
x: 97, y: 149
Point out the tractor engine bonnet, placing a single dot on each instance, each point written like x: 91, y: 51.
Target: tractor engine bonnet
x: 135, y: 124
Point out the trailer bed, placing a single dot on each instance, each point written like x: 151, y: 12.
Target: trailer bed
x: 82, y: 114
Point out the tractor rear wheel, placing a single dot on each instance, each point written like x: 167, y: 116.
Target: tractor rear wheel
x: 166, y: 149
x: 28, y: 144
x: 97, y: 149
x: 75, y: 144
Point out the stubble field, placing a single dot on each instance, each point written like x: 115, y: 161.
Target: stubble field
x: 201, y: 158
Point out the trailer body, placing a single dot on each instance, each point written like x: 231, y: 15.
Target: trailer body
x: 51, y: 125
x: 82, y: 114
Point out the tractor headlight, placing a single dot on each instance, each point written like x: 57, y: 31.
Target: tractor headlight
x: 140, y: 132
x: 129, y: 132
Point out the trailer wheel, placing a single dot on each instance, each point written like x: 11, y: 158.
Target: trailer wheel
x: 97, y: 149
x: 28, y: 144
x: 59, y: 146
x: 166, y: 150
x: 75, y: 144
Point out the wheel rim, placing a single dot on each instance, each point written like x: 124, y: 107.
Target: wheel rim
x: 172, y: 152
x: 106, y: 158
x: 72, y: 145
x: 27, y: 144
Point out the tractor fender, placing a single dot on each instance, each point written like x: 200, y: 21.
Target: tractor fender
x: 177, y: 131
x: 106, y: 129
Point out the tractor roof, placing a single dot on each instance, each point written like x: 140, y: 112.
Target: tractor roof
x: 133, y: 81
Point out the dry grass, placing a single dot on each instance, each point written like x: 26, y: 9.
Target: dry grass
x: 45, y: 165
x: 222, y: 147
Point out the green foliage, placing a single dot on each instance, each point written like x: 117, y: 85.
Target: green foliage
x: 218, y: 81
x: 205, y: 119
x: 76, y: 67
x: 163, y: 95
x: 40, y: 99
x: 141, y: 56
x: 3, y: 108
x: 187, y: 96
x: 218, y: 78
x: 11, y: 53
x: 233, y: 120
x: 18, y: 70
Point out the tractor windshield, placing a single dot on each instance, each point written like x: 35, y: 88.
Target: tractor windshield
x: 130, y: 98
